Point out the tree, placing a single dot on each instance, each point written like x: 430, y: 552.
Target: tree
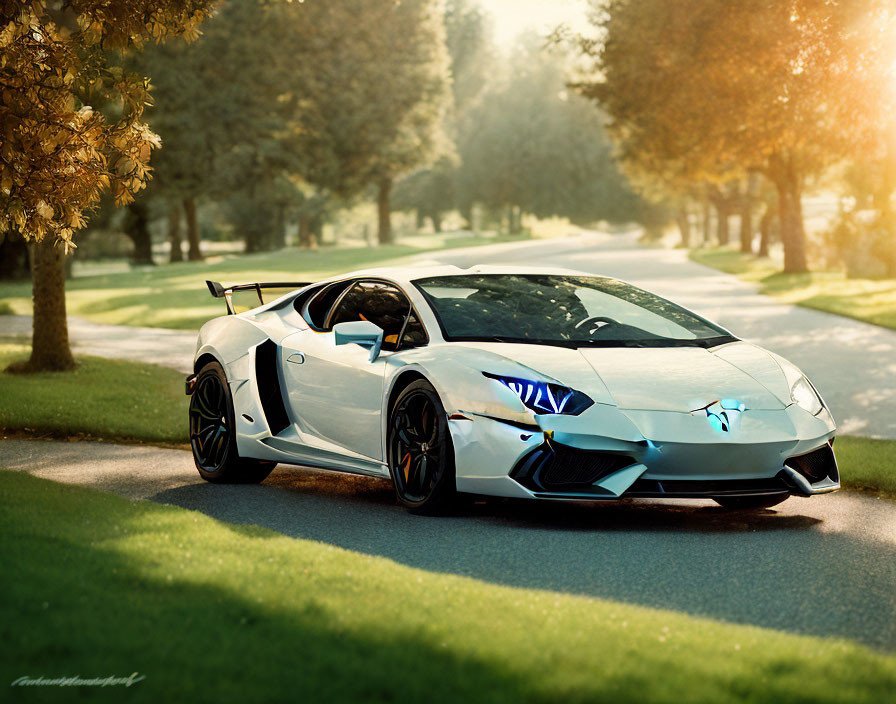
x: 58, y: 153
x: 710, y: 89
x: 369, y: 101
x: 531, y: 145
x: 220, y: 116
x: 441, y: 186
x: 429, y: 191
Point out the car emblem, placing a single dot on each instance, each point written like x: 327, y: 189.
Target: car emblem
x: 723, y: 415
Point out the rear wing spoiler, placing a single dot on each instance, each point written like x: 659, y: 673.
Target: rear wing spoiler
x: 218, y: 290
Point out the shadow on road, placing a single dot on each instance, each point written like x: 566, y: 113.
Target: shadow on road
x: 771, y: 569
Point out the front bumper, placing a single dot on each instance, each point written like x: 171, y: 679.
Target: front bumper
x: 774, y: 452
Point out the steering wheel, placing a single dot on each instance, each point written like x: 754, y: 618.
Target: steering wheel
x: 592, y: 323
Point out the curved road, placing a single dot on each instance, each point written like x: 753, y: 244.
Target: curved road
x: 823, y: 566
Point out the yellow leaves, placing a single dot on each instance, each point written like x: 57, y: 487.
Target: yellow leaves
x: 58, y: 157
x: 16, y: 211
x: 44, y: 210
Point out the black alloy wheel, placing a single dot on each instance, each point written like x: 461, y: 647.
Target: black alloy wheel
x: 421, y: 456
x: 213, y: 432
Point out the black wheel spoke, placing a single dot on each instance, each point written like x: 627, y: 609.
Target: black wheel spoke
x: 203, y: 409
x: 209, y: 434
x: 217, y: 444
x: 422, y: 474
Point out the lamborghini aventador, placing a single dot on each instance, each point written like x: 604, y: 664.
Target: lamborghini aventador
x: 542, y: 384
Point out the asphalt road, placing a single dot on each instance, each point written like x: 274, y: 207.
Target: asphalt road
x: 853, y: 364
x: 824, y: 566
x: 168, y: 348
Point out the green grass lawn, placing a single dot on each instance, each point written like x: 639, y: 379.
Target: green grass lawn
x: 175, y: 295
x: 95, y: 585
x: 102, y: 398
x: 872, y: 301
x: 867, y: 465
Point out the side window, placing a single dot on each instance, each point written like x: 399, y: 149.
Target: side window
x: 315, y: 312
x: 349, y: 308
x: 381, y: 304
x: 414, y: 334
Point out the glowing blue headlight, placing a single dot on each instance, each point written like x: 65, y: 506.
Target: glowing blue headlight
x: 542, y: 397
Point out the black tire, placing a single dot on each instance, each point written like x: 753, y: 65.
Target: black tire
x: 746, y: 503
x: 213, y: 436
x: 420, y: 453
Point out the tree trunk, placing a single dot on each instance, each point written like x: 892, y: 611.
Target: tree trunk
x: 514, y: 220
x: 174, y: 235
x: 384, y: 211
x: 466, y: 212
x: 138, y: 231
x: 317, y: 230
x: 765, y: 230
x: 436, y: 221
x: 746, y: 215
x: 793, y: 234
x: 683, y: 218
x: 50, y: 350
x: 304, y: 231
x: 193, y: 254
x: 783, y: 174
x: 723, y: 212
x: 420, y: 220
x: 278, y: 241
x: 706, y: 221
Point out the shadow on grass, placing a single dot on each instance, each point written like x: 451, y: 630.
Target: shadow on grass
x: 95, y: 613
x: 739, y: 567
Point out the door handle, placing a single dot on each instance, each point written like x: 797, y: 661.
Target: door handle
x: 296, y: 358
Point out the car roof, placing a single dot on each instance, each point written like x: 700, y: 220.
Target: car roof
x: 409, y: 274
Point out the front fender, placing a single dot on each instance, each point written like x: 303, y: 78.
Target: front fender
x: 462, y: 387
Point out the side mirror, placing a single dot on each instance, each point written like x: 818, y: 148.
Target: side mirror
x: 361, y: 332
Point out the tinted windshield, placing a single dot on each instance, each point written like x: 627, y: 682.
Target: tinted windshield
x: 569, y: 310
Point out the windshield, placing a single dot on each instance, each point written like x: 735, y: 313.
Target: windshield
x: 566, y: 310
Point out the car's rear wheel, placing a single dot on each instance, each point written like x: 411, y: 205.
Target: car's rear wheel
x: 213, y: 432
x: 742, y: 503
x: 421, y: 456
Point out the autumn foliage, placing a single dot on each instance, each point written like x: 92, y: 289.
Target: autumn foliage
x: 71, y: 127
x: 60, y: 153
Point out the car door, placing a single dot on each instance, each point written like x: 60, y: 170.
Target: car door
x: 335, y: 392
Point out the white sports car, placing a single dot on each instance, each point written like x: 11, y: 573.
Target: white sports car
x: 503, y: 381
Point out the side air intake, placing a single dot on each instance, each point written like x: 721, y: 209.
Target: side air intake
x: 816, y: 465
x: 269, y: 390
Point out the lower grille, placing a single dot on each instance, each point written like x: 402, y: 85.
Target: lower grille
x: 559, y: 468
x: 671, y: 488
x: 816, y: 465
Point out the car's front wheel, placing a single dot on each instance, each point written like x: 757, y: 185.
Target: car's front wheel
x: 743, y: 503
x: 213, y: 432
x: 421, y: 456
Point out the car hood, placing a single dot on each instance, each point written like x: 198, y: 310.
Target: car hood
x: 679, y: 379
